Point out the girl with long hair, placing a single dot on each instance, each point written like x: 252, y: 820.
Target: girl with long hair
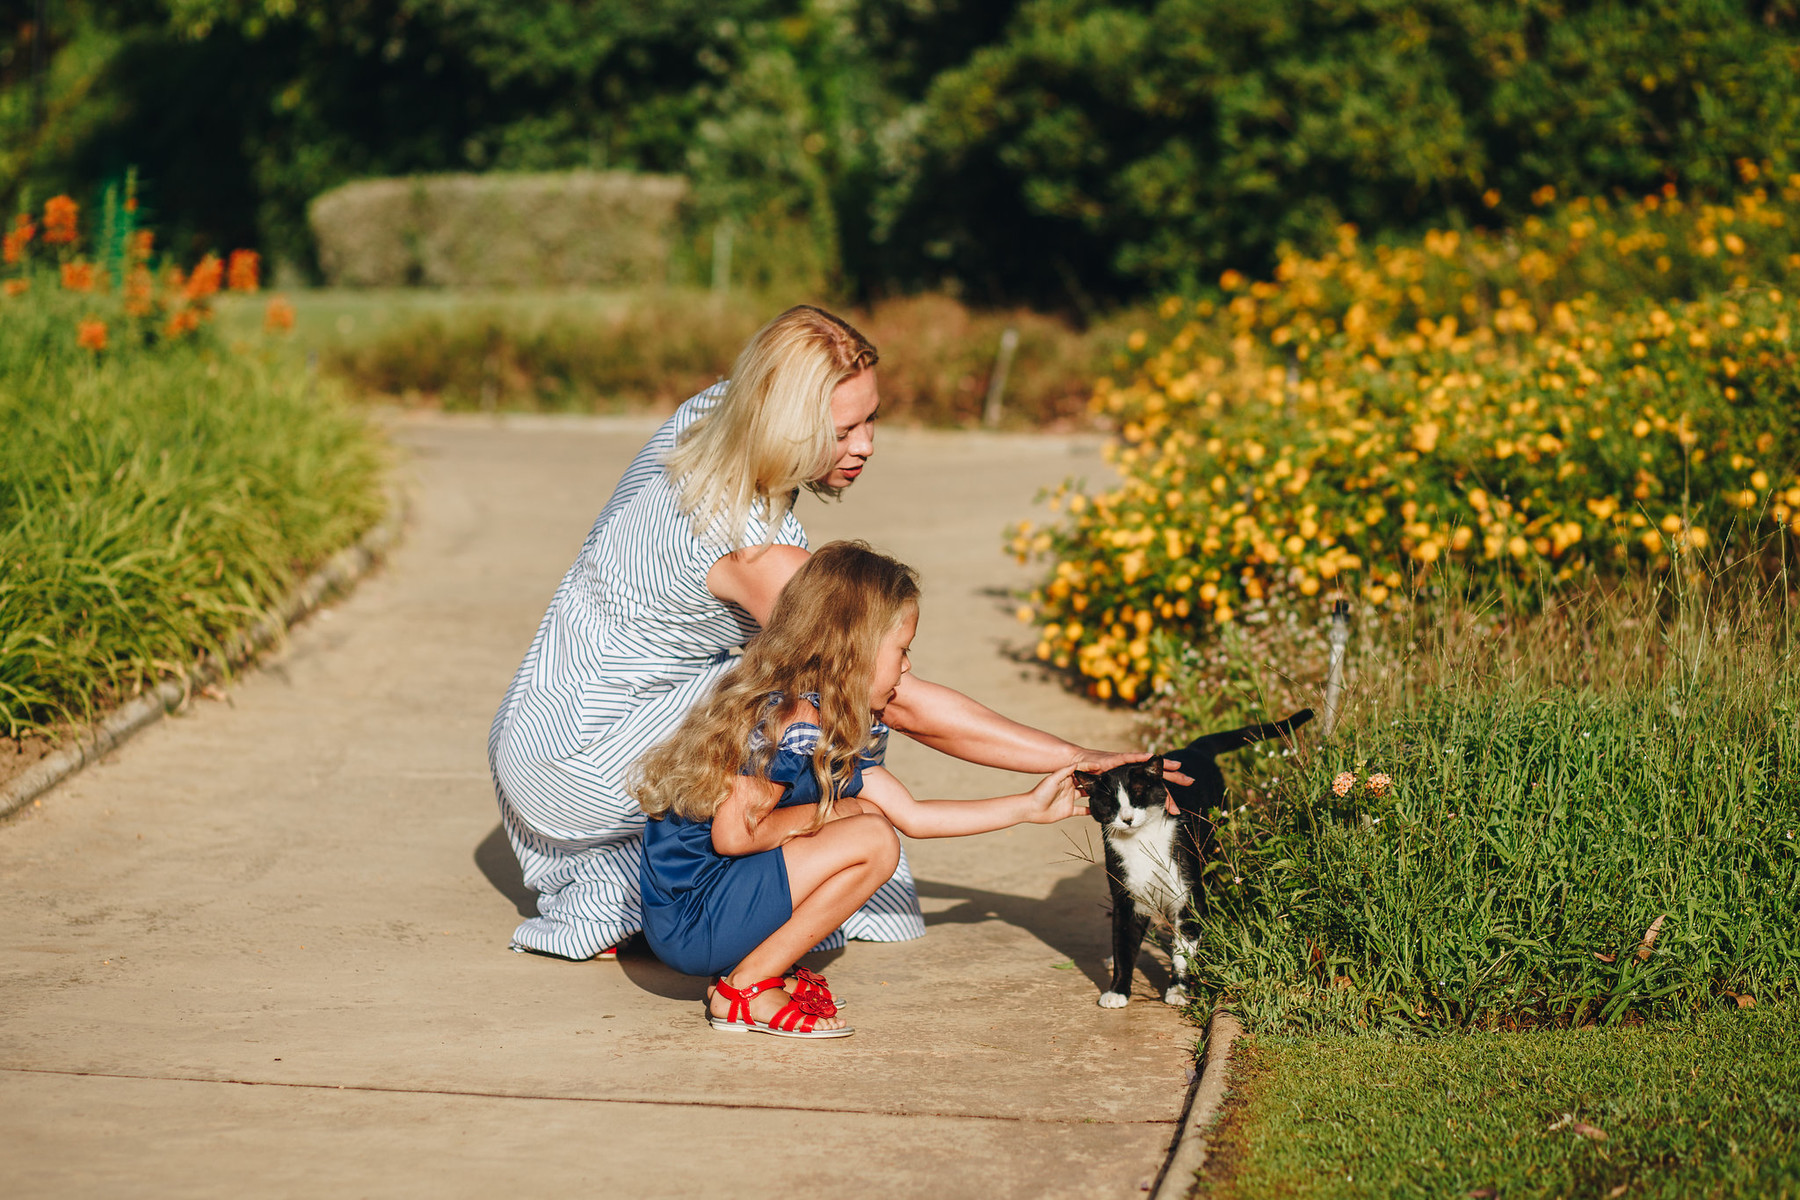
x: 772, y: 819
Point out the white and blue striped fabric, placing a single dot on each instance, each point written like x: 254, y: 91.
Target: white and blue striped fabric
x: 631, y: 641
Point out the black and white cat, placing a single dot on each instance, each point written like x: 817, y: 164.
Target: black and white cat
x: 1154, y: 860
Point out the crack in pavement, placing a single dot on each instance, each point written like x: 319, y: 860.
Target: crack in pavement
x: 652, y: 1100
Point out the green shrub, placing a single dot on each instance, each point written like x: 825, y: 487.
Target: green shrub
x: 158, y: 491
x: 1138, y: 146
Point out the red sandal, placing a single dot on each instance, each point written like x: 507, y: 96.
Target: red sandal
x: 811, y: 983
x: 796, y: 1019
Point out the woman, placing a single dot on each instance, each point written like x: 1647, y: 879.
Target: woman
x: 679, y: 570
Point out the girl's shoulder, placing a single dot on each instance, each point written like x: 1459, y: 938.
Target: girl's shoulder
x: 792, y: 727
x: 796, y: 731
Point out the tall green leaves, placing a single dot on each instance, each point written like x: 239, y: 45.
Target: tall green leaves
x: 1546, y: 852
x: 152, y: 503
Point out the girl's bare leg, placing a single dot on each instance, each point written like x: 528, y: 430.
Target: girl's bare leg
x: 831, y: 874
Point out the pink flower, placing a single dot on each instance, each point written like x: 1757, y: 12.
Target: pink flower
x: 1379, y: 785
x: 1343, y: 783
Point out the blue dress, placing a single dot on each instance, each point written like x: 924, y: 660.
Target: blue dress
x: 704, y: 911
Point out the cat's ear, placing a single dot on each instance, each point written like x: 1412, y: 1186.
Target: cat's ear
x: 1085, y: 780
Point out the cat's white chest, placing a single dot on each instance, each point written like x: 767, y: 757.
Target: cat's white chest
x: 1147, y: 865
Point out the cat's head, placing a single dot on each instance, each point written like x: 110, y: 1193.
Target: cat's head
x: 1125, y: 797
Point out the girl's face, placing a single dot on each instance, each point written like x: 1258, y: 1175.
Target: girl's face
x: 893, y: 660
x: 853, y: 405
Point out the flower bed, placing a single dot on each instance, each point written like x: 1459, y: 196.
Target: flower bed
x: 158, y: 489
x: 1491, y: 412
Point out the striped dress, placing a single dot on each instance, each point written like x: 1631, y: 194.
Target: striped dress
x: 631, y: 641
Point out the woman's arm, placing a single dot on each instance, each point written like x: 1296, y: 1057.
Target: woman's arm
x: 1053, y: 799
x: 939, y: 717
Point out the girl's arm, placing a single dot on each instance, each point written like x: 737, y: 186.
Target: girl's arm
x: 748, y: 821
x: 1053, y: 799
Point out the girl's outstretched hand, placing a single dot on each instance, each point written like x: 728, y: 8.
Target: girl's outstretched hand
x: 1055, y: 798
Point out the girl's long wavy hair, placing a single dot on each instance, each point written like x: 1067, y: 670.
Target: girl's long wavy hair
x: 822, y: 637
x: 771, y: 433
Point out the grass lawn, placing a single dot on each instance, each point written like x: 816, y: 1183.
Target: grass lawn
x: 1703, y: 1108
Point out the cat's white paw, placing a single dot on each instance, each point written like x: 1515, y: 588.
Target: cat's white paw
x: 1114, y: 1000
x: 1175, y: 996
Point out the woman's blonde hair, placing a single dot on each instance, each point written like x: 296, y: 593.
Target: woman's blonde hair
x: 771, y: 433
x: 822, y: 637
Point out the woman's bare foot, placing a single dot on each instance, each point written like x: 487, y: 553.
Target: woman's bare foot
x: 763, y: 1005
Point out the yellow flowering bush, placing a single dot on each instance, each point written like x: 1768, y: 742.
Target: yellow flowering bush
x: 1476, y: 405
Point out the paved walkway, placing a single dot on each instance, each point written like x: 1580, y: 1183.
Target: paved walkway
x: 261, y: 950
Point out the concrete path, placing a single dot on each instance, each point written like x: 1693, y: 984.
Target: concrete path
x: 262, y: 950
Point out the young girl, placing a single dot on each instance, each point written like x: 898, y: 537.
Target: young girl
x: 772, y: 818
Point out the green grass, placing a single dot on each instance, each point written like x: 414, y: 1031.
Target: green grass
x: 154, y: 500
x: 1560, y: 783
x: 1707, y: 1107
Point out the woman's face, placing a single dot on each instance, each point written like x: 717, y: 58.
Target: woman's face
x: 853, y: 405
x: 893, y: 659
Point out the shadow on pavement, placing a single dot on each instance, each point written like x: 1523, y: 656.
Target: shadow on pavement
x: 1074, y: 920
x: 496, y: 860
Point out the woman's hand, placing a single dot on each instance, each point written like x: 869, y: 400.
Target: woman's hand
x: 1056, y: 798
x: 1099, y: 760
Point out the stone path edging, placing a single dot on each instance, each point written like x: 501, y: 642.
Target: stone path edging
x: 340, y: 571
x: 1188, y: 1154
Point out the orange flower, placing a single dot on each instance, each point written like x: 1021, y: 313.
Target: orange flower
x: 184, y: 321
x: 208, y: 273
x: 139, y: 245
x: 138, y: 285
x: 78, y: 276
x: 242, y: 272
x: 280, y: 316
x: 17, y: 237
x: 17, y: 287
x: 91, y: 335
x: 59, y: 220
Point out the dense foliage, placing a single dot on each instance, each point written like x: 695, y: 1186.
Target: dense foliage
x: 158, y: 489
x: 1061, y: 151
x: 1502, y: 413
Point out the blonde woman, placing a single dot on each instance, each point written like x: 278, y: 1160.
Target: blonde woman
x: 678, y: 572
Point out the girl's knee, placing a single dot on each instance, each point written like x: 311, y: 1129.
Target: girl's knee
x: 875, y: 834
x: 887, y: 844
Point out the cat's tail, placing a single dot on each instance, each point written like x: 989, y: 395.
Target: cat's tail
x: 1233, y: 739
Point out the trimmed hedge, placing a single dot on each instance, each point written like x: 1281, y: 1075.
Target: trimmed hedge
x: 553, y: 229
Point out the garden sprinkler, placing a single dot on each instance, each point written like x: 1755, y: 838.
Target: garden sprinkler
x: 1339, y: 636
